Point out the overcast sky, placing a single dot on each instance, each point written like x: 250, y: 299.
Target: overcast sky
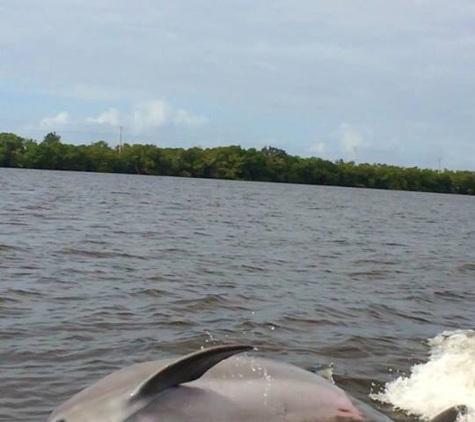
x: 390, y: 81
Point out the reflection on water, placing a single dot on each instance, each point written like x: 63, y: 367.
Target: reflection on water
x: 100, y: 271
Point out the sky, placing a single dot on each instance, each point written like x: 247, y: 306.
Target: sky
x: 374, y: 81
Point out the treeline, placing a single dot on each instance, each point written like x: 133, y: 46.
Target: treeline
x: 231, y: 162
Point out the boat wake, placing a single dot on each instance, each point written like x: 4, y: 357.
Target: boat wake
x: 446, y: 379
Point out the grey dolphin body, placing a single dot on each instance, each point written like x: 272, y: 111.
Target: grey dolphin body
x: 213, y: 385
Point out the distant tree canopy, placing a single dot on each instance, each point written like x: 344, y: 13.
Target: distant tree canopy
x: 232, y: 162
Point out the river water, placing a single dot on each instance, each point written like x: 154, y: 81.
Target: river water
x: 98, y: 271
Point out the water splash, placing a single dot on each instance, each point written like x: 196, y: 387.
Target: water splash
x: 445, y: 380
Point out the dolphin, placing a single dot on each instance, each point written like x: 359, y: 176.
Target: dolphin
x: 218, y: 384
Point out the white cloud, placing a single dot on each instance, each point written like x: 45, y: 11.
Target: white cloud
x: 351, y: 138
x: 185, y: 118
x: 149, y: 115
x: 61, y: 119
x: 318, y: 148
x: 110, y: 117
x: 143, y: 118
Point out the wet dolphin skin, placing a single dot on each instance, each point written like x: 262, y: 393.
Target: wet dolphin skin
x: 217, y: 384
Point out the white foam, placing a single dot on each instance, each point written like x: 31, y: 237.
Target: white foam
x: 447, y: 379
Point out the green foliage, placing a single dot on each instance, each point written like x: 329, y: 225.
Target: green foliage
x: 231, y: 162
x: 12, y: 150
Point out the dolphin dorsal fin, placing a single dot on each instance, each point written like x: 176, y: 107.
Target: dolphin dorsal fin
x: 186, y: 369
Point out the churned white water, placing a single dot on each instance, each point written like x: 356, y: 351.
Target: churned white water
x: 445, y: 380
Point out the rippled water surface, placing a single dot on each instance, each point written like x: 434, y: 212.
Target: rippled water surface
x: 100, y: 271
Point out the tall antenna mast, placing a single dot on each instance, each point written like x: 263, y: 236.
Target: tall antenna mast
x: 120, y: 138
